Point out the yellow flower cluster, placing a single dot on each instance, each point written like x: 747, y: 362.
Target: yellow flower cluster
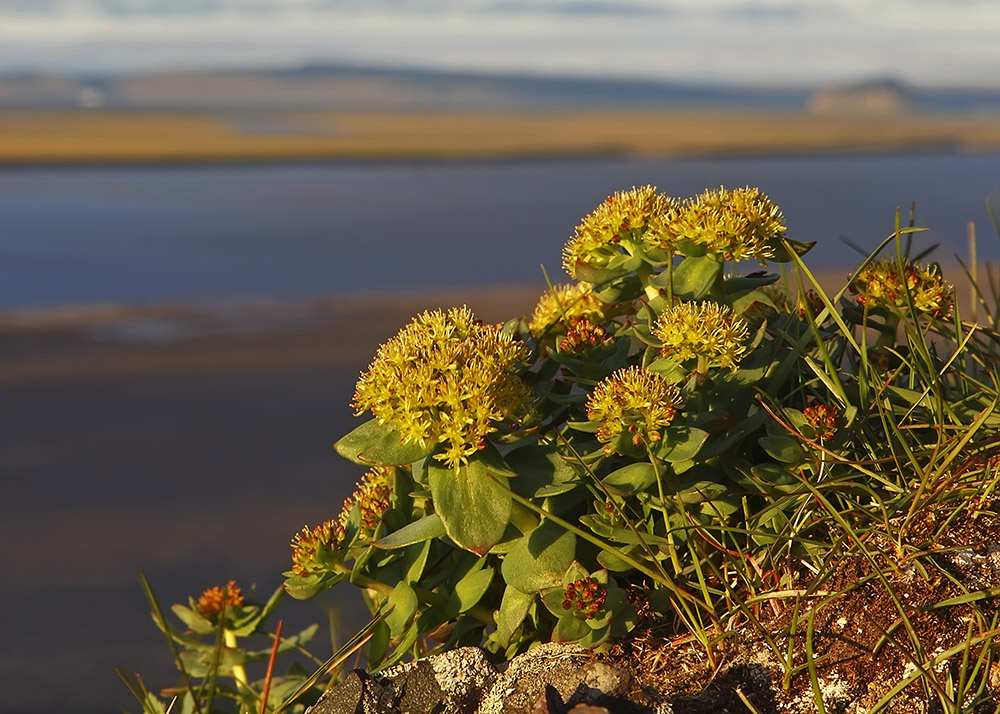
x: 706, y: 330
x: 565, y: 303
x: 214, y: 600
x: 305, y: 544
x: 625, y: 216
x: 582, y: 336
x: 372, y: 497
x: 740, y: 223
x: 634, y: 400
x: 445, y: 379
x: 882, y: 282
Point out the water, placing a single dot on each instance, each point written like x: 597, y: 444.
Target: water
x: 192, y: 233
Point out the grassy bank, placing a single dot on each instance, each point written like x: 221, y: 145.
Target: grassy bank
x: 28, y: 137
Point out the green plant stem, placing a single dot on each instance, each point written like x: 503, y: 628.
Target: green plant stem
x: 239, y: 671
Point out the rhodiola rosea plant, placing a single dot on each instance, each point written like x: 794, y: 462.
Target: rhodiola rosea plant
x: 661, y: 437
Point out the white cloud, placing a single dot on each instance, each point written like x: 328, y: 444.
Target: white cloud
x: 770, y: 41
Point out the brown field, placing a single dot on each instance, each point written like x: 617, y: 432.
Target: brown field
x: 100, y: 136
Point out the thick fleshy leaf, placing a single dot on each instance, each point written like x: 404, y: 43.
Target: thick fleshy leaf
x: 541, y: 471
x: 782, y: 254
x: 588, y: 273
x: 513, y: 609
x: 634, y: 477
x: 378, y: 444
x: 783, y: 448
x: 694, y: 278
x: 404, y: 603
x: 426, y: 528
x: 472, y: 502
x: 539, y: 559
x: 471, y: 588
x: 303, y: 588
x: 570, y: 629
x: 680, y: 443
x: 745, y: 283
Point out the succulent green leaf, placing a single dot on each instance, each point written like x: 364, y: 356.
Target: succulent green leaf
x: 471, y: 588
x: 539, y: 559
x: 193, y: 620
x: 541, y: 471
x: 695, y: 277
x: 378, y: 444
x: 426, y: 528
x: 473, y: 503
x: 304, y: 588
x: 513, y: 609
x: 588, y: 273
x: 634, y: 477
x: 785, y: 449
x: 570, y: 629
x: 680, y: 443
x: 404, y: 602
x: 783, y: 255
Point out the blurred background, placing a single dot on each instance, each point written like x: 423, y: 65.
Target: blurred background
x: 213, y: 211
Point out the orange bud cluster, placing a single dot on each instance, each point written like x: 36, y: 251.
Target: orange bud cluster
x: 215, y: 600
x: 585, y: 597
x: 824, y: 418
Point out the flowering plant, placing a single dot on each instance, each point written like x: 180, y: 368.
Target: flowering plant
x: 611, y: 454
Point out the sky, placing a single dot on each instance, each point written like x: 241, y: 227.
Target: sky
x: 760, y: 42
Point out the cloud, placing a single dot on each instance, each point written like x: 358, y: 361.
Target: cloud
x: 762, y: 41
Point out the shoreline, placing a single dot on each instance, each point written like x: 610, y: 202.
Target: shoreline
x: 50, y: 138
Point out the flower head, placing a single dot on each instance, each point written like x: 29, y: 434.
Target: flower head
x: 624, y: 217
x: 738, y: 223
x: 702, y: 330
x: 582, y: 336
x: 309, y: 544
x: 372, y: 498
x: 634, y: 400
x: 584, y: 598
x: 445, y: 379
x: 216, y: 599
x: 565, y: 303
x: 883, y: 283
x: 824, y: 418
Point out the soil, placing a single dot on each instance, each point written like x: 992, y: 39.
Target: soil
x: 861, y: 647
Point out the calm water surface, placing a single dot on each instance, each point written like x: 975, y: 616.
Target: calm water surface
x: 87, y: 235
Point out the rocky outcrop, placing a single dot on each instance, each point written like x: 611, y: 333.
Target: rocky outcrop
x: 550, y: 679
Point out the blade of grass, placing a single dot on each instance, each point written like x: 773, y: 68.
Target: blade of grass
x: 158, y: 612
x: 270, y: 668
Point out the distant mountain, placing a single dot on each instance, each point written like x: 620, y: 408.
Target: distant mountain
x: 365, y: 88
x: 346, y: 87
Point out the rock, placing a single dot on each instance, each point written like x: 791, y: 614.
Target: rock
x: 550, y: 679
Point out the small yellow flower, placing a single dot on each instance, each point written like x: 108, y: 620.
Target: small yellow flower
x: 634, y: 400
x: 623, y: 218
x: 214, y: 600
x: 565, y: 303
x: 701, y: 330
x: 305, y: 544
x: 883, y: 283
x: 372, y: 497
x: 738, y: 223
x: 446, y: 379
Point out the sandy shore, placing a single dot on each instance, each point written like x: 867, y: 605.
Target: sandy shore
x: 29, y: 137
